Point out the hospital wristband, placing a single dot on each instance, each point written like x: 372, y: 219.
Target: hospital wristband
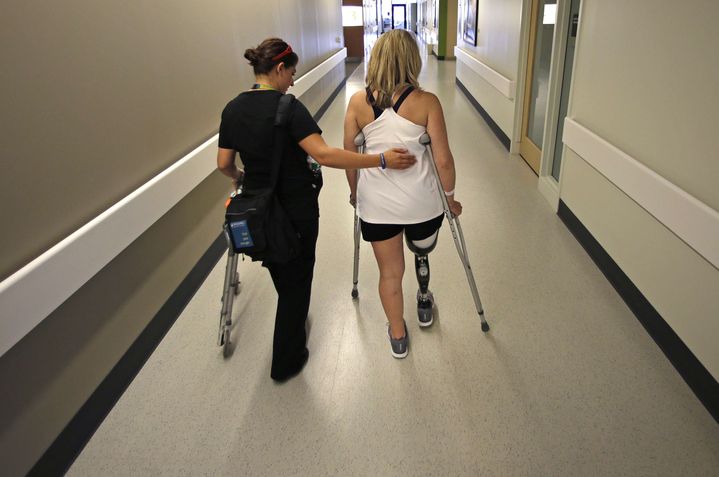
x: 382, y: 162
x: 450, y: 193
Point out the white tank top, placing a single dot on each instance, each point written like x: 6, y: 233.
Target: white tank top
x: 397, y: 196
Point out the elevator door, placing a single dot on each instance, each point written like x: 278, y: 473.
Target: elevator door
x: 536, y: 87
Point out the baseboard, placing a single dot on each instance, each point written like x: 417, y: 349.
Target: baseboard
x: 58, y: 458
x: 503, y: 138
x: 699, y: 379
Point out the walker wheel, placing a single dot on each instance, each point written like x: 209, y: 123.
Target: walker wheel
x: 355, y: 294
x: 485, y: 327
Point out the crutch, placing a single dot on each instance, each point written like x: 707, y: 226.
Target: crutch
x: 456, y: 229
x: 230, y: 289
x: 359, y: 143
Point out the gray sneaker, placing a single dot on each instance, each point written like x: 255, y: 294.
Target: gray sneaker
x: 425, y: 313
x: 399, y: 346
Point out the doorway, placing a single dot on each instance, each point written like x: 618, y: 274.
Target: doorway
x: 566, y: 84
x: 413, y: 17
x: 536, y: 89
x: 399, y: 16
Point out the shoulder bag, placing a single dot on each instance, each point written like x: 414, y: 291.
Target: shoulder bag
x: 255, y: 220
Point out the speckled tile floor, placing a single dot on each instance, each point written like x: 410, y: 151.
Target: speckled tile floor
x: 566, y: 383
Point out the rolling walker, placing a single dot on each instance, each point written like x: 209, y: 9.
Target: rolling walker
x: 230, y: 289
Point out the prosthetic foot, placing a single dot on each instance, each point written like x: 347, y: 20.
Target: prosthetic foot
x: 425, y: 300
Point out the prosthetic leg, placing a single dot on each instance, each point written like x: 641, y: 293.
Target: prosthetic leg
x: 425, y: 299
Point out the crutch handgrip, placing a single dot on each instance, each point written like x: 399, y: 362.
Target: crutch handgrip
x: 359, y: 139
x: 425, y: 139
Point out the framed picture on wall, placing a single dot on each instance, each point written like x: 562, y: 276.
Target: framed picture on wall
x: 469, y: 21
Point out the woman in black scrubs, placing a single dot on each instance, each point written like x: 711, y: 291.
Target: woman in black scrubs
x: 247, y: 128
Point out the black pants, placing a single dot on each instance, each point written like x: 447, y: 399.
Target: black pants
x: 293, y: 282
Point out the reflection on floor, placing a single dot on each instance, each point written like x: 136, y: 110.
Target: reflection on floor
x: 566, y: 383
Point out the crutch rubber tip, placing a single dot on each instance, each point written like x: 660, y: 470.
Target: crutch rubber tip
x: 485, y: 327
x: 355, y: 293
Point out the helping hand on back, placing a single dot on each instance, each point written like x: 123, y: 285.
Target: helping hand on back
x: 399, y: 158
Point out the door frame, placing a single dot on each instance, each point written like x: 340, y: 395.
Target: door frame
x: 528, y: 150
x: 521, y: 77
x: 404, y: 7
x: 547, y: 185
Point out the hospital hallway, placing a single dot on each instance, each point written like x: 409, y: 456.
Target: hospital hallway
x: 566, y: 382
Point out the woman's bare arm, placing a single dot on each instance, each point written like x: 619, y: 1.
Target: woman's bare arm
x: 437, y: 130
x: 226, y: 165
x: 351, y: 129
x: 329, y: 156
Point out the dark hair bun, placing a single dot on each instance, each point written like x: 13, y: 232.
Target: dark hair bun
x: 269, y: 53
x: 251, y: 55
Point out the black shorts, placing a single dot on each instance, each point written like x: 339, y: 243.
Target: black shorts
x: 379, y: 232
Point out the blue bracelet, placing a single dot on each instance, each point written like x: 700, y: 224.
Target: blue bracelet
x: 382, y: 162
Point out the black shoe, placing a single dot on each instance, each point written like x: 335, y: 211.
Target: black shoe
x: 286, y: 377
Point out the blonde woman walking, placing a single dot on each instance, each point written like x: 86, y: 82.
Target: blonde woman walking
x: 393, y: 111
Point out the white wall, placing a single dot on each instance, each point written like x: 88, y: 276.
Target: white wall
x: 498, y: 49
x: 645, y: 82
x: 139, y: 86
x: 498, y: 35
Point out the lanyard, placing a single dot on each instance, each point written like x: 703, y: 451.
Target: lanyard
x: 262, y: 86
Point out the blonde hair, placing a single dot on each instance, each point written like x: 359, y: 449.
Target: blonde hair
x: 394, y: 64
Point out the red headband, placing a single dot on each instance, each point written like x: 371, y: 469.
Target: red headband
x: 286, y: 52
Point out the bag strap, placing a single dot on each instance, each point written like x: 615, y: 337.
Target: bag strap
x: 281, y: 118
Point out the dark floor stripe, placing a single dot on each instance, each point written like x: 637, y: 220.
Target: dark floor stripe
x: 68, y: 445
x: 487, y: 118
x: 689, y: 367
